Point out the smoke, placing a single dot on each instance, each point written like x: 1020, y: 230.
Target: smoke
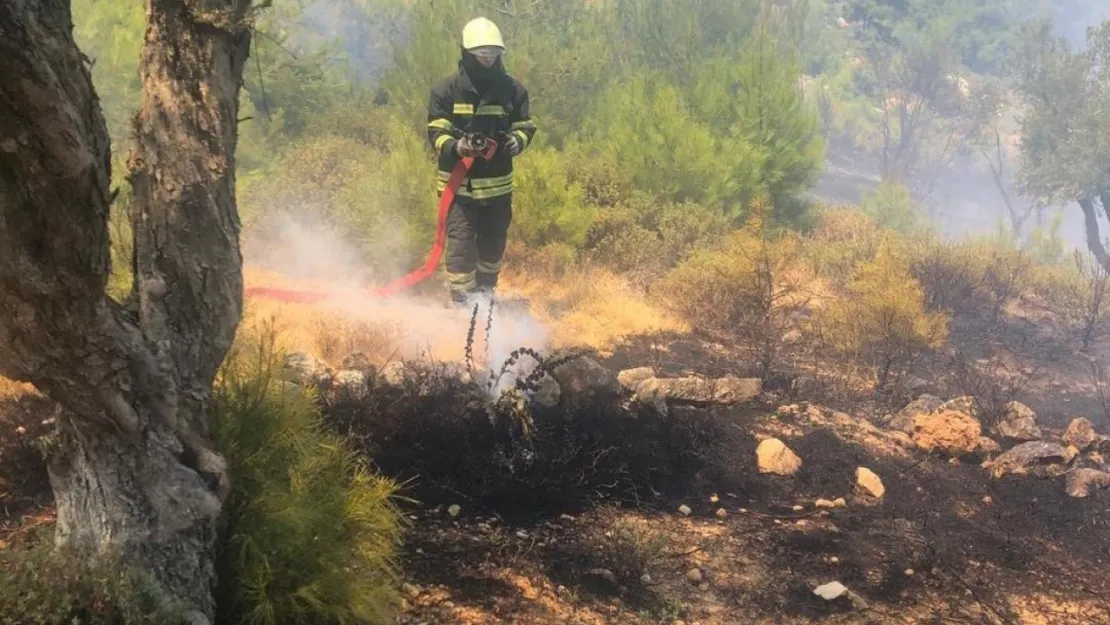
x: 302, y: 247
x: 367, y: 33
x: 1072, y: 18
x: 508, y: 329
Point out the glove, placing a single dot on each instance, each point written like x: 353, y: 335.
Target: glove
x: 464, y: 149
x: 513, y: 145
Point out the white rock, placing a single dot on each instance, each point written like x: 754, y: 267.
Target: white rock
x: 870, y: 482
x: 454, y: 509
x: 830, y: 591
x: 773, y: 456
x: 695, y: 390
x: 630, y: 378
x: 685, y: 510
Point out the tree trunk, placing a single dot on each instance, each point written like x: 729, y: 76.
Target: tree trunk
x: 133, y: 471
x: 1094, y: 241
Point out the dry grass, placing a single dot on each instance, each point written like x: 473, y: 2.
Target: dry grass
x: 588, y: 308
x: 10, y: 388
x: 591, y: 307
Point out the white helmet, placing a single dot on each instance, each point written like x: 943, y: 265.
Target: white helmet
x: 481, y: 33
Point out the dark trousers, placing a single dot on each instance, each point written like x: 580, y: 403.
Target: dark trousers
x: 476, y: 235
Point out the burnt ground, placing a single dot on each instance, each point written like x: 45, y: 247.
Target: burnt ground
x: 945, y: 544
x: 592, y: 532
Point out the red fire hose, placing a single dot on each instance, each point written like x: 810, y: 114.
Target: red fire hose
x: 413, y: 278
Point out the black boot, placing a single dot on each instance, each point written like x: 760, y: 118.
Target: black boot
x: 463, y: 300
x: 487, y: 285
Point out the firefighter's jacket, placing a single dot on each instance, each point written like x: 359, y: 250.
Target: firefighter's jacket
x: 455, y: 108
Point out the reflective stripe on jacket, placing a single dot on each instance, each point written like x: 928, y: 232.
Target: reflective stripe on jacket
x: 455, y: 107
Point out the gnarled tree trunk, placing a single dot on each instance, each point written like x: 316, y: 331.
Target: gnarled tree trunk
x: 134, y: 471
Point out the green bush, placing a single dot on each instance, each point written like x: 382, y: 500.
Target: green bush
x: 618, y: 241
x: 38, y: 586
x: 891, y: 206
x: 547, y: 206
x: 755, y: 99
x: 647, y: 126
x: 686, y: 227
x: 311, y: 533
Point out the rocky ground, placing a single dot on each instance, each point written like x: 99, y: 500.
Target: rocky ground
x: 668, y: 488
x: 683, y: 498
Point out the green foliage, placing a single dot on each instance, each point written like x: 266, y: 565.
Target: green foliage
x: 311, y: 533
x: 756, y: 100
x: 891, y: 206
x: 617, y: 240
x: 646, y: 125
x: 674, y: 36
x: 43, y: 587
x: 1045, y: 245
x: 122, y: 245
x: 547, y: 206
x: 1066, y: 127
x: 110, y: 33
x: 639, y: 237
x: 882, y: 320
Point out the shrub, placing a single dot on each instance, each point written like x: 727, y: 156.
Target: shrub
x: 310, y: 533
x: 949, y: 275
x: 1006, y: 272
x: 646, y: 125
x: 891, y: 206
x: 618, y: 241
x: 1079, y: 295
x: 842, y: 238
x: 41, y: 586
x: 643, y: 238
x: 685, y: 227
x: 739, y: 288
x: 975, y: 275
x: 881, y: 321
x: 1045, y: 244
x: 603, y: 180
x: 547, y: 206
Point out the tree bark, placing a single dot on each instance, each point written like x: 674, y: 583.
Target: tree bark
x: 133, y: 472
x: 1094, y: 241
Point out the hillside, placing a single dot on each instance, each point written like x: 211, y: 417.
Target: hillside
x: 803, y: 318
x: 593, y: 532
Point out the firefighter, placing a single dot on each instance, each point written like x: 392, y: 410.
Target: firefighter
x: 480, y: 98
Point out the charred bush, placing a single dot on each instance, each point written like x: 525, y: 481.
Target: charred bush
x: 434, y: 432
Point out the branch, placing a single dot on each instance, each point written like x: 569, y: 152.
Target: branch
x: 182, y: 173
